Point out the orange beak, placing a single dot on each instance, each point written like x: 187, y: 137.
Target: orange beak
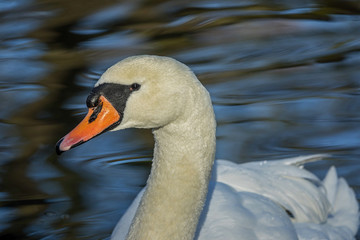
x: 99, y: 119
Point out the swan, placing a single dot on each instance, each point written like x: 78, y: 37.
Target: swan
x: 188, y: 195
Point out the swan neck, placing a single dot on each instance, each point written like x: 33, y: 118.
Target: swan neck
x: 178, y: 183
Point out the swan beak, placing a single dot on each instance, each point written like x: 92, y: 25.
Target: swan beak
x: 99, y: 119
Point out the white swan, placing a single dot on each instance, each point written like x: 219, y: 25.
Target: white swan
x: 259, y: 200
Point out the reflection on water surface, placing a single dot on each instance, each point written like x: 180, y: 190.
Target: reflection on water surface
x: 283, y: 75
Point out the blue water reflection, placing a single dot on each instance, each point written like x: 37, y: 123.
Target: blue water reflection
x: 283, y: 75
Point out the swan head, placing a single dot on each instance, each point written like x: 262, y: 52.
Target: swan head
x: 137, y: 92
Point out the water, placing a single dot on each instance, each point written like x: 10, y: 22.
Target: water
x: 283, y: 75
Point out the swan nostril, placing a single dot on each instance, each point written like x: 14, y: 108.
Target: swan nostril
x: 96, y: 112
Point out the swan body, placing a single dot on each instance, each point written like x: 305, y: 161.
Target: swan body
x: 249, y: 201
x: 187, y: 195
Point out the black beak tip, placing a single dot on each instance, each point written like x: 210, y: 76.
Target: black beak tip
x: 57, y: 148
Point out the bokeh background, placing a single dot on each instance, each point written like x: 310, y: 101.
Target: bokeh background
x: 284, y: 76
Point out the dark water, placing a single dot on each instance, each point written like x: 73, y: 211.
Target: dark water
x: 284, y: 77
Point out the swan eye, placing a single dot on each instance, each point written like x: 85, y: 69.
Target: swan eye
x: 135, y: 87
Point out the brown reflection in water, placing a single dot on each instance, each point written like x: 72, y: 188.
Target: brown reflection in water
x: 38, y: 133
x: 23, y: 191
